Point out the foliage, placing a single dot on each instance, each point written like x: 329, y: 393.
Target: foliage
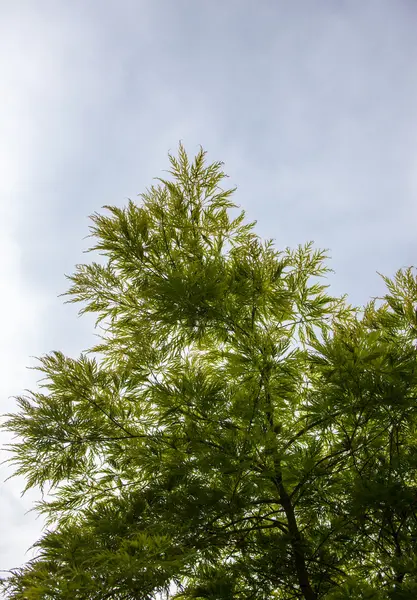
x: 237, y: 433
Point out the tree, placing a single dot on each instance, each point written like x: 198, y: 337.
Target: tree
x: 237, y: 432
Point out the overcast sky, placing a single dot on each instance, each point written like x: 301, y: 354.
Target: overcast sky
x: 312, y: 106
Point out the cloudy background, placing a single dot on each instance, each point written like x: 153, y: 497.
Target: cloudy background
x: 310, y: 104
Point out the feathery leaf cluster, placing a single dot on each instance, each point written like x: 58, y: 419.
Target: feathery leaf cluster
x: 238, y: 433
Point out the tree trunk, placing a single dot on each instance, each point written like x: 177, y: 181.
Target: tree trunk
x: 285, y: 500
x: 296, y: 541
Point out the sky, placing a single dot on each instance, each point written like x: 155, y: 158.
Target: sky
x: 312, y: 106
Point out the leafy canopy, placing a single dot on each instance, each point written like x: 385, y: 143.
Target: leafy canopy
x: 237, y: 433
